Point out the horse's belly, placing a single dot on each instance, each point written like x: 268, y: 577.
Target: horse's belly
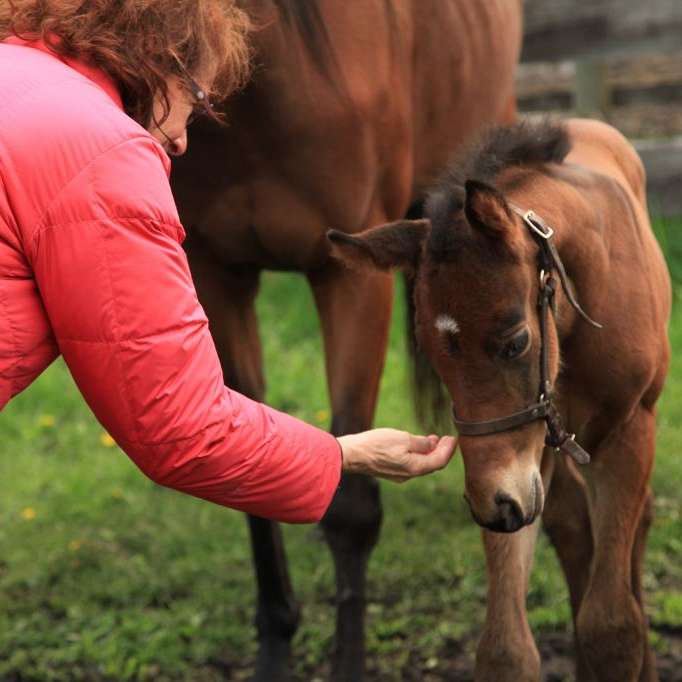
x: 263, y: 229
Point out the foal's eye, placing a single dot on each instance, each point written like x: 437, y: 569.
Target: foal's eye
x: 515, y: 346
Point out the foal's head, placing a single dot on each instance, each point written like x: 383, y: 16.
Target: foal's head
x: 476, y: 298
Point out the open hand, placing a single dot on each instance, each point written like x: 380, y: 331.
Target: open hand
x: 395, y: 455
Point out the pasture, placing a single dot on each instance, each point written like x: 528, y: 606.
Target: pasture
x: 105, y: 576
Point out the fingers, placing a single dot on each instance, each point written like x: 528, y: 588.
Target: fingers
x: 422, y: 444
x: 395, y: 455
x: 437, y: 458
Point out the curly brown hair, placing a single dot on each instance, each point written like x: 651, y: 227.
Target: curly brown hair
x: 141, y: 43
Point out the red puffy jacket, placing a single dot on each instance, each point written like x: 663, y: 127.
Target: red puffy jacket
x: 91, y: 267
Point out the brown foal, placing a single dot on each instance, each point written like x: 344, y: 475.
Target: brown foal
x: 481, y: 275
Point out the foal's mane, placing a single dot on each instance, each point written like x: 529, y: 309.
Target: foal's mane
x: 527, y: 143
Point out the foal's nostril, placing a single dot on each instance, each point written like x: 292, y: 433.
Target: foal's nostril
x: 511, y: 518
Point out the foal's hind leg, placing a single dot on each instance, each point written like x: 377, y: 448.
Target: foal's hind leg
x: 649, y: 672
x: 506, y: 651
x: 228, y: 299
x: 566, y: 519
x: 355, y: 310
x: 611, y: 627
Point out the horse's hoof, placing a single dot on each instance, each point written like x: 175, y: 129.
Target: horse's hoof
x: 352, y: 673
x: 272, y: 663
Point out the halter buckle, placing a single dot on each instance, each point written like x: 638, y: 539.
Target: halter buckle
x: 571, y: 448
x: 544, y: 278
x: 540, y: 228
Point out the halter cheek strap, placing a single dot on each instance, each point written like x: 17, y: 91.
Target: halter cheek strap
x: 544, y: 409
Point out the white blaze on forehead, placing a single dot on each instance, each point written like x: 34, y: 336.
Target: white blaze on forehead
x: 445, y: 323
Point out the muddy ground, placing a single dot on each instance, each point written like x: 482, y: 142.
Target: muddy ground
x: 456, y: 662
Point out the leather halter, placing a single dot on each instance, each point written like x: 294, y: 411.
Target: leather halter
x: 544, y: 409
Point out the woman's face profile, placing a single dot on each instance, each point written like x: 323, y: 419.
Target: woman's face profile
x: 172, y: 133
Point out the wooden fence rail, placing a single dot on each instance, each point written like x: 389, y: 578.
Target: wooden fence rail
x: 587, y: 29
x: 593, y: 33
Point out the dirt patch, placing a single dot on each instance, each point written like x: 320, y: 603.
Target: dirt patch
x: 455, y: 663
x: 556, y: 651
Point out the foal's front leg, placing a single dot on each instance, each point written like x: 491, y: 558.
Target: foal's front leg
x: 611, y: 626
x: 506, y: 651
x: 566, y: 518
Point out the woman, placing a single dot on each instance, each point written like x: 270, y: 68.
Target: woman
x: 93, y: 97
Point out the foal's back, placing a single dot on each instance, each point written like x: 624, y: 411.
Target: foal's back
x: 632, y: 245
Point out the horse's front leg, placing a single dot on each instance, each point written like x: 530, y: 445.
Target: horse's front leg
x: 506, y: 651
x: 611, y: 625
x: 228, y: 299
x: 355, y: 311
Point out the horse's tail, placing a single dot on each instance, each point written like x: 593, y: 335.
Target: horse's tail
x: 431, y: 400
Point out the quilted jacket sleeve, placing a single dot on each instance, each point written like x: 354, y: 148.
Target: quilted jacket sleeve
x: 119, y: 296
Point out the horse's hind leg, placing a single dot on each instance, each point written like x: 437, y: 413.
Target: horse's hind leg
x: 355, y: 310
x: 611, y: 627
x: 228, y: 299
x: 566, y: 519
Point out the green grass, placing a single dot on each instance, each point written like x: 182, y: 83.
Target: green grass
x: 104, y: 576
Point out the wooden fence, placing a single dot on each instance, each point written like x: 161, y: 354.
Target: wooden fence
x: 620, y: 60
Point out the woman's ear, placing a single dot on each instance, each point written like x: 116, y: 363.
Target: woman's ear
x: 393, y: 245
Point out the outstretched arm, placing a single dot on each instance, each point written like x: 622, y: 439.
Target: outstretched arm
x: 395, y: 455
x: 119, y: 295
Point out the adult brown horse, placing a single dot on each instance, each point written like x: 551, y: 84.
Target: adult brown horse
x: 353, y: 111
x: 498, y: 300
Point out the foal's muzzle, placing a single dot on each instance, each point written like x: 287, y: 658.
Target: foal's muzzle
x: 509, y: 513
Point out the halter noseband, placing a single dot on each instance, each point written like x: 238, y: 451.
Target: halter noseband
x: 544, y: 409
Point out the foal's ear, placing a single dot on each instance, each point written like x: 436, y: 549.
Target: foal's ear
x: 487, y: 209
x: 393, y: 245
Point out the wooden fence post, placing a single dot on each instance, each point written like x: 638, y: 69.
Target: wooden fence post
x: 592, y: 94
